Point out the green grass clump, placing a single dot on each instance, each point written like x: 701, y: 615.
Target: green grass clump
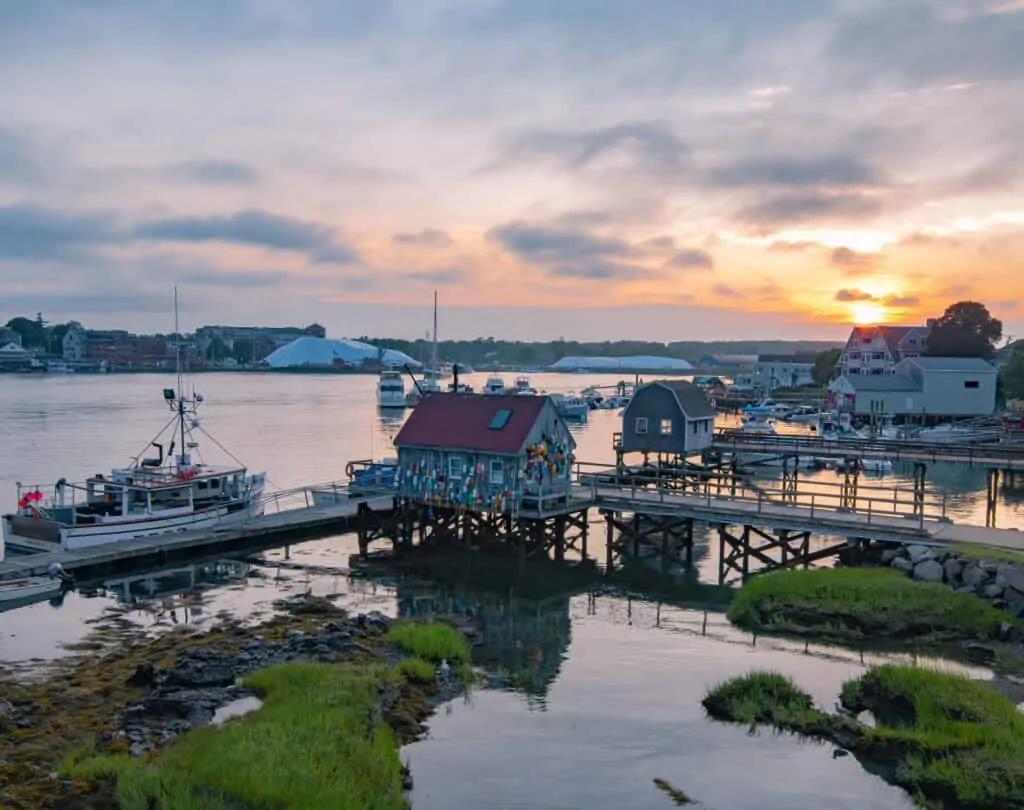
x: 761, y: 697
x: 416, y: 670
x: 317, y: 743
x: 431, y: 641
x: 973, y: 551
x: 962, y: 743
x: 861, y: 603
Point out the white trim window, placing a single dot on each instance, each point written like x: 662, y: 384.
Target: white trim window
x: 456, y: 466
x: 497, y: 472
x: 641, y: 425
x: 666, y: 427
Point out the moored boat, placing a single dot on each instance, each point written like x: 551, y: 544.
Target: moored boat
x: 29, y: 589
x: 149, y: 497
x: 391, y: 389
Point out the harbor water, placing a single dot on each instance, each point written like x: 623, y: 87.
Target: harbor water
x: 607, y: 688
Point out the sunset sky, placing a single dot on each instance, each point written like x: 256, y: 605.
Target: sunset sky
x: 593, y: 169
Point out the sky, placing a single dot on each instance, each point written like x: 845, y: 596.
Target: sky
x: 588, y: 169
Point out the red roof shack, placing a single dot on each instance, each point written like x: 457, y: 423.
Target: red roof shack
x: 485, y: 453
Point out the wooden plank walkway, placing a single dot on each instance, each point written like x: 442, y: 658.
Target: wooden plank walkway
x: 313, y: 520
x: 1004, y: 457
x: 861, y: 523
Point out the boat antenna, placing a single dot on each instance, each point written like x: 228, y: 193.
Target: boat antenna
x: 433, y: 356
x: 181, y: 385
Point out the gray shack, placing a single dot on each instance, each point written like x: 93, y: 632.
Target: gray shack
x: 670, y: 417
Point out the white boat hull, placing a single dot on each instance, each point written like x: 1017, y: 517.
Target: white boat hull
x: 41, y: 535
x: 26, y: 590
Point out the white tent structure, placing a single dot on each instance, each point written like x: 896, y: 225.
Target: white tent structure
x: 314, y: 352
x: 633, y: 363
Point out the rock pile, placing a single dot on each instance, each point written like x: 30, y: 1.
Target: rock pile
x: 200, y: 681
x: 999, y: 581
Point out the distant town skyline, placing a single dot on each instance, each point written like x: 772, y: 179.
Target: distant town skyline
x: 588, y: 168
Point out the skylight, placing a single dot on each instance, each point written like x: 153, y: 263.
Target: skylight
x: 500, y: 418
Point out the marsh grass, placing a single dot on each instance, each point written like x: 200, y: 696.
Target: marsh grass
x: 861, y: 603
x: 317, y: 743
x: 973, y: 551
x: 949, y: 741
x: 416, y: 670
x: 430, y: 641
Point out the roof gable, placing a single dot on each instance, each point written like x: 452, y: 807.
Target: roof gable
x: 463, y: 422
x: 692, y: 401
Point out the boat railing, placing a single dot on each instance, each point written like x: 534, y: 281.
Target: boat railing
x: 286, y: 500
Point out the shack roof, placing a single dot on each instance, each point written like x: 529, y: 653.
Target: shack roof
x: 693, y: 402
x: 882, y: 382
x: 962, y: 364
x: 463, y: 422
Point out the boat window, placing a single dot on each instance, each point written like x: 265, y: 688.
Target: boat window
x: 499, y: 419
x: 641, y: 424
x: 497, y: 472
x: 455, y: 466
x: 971, y: 384
x: 666, y: 427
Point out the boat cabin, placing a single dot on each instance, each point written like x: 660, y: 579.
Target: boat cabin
x: 502, y: 453
x: 667, y: 416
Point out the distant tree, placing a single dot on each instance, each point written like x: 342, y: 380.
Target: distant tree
x: 825, y: 365
x: 1013, y: 373
x: 966, y: 329
x: 33, y: 332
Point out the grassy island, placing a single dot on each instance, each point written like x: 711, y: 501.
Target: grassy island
x: 850, y: 604
x: 949, y: 741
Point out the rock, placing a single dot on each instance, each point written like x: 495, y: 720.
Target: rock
x: 903, y: 564
x: 992, y: 591
x: 144, y: 675
x: 5, y: 709
x: 919, y: 554
x: 1005, y: 631
x: 974, y: 576
x: 928, y: 571
x: 888, y: 555
x: 1014, y: 575
x: 980, y: 652
x: 953, y: 568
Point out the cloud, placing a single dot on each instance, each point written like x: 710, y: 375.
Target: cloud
x: 829, y: 172
x: 20, y: 159
x: 853, y: 295
x: 800, y: 246
x: 813, y: 207
x: 845, y: 257
x: 428, y: 237
x: 439, y: 275
x: 653, y: 147
x: 901, y: 301
x: 771, y: 91
x: 30, y: 232
x: 256, y: 228
x: 691, y: 258
x: 214, y: 173
x: 725, y: 291
x: 567, y: 252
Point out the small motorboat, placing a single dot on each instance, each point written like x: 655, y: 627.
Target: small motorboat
x: 29, y: 589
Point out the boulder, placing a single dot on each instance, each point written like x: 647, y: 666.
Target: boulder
x: 144, y: 675
x: 903, y: 564
x: 920, y: 554
x: 953, y: 568
x: 889, y: 555
x: 992, y: 591
x: 1005, y: 631
x: 928, y: 571
x: 974, y: 576
x: 1014, y: 576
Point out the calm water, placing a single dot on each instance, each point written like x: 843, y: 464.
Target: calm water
x: 609, y: 687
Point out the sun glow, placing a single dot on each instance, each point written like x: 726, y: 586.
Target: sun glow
x: 867, y: 313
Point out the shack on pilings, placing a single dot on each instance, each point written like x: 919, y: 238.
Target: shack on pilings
x: 498, y: 454
x: 670, y: 419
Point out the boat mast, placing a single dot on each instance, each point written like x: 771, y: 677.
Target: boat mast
x: 433, y: 355
x: 181, y: 387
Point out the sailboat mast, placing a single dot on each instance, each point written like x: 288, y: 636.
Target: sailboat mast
x: 433, y: 356
x: 181, y: 387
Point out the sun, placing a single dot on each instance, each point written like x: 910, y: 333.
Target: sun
x: 867, y: 313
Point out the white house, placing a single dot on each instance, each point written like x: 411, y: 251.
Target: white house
x: 73, y: 346
x: 773, y: 371
x: 877, y: 349
x: 921, y: 386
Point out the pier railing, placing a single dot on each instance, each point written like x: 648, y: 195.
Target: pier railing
x: 330, y: 493
x: 816, y: 499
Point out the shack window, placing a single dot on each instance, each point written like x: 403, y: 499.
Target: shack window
x: 641, y: 424
x: 971, y: 384
x: 666, y: 427
x: 497, y: 472
x: 456, y: 465
x: 696, y: 428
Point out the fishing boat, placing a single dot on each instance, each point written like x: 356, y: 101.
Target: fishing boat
x: 494, y: 386
x: 171, y: 492
x: 390, y: 389
x: 804, y: 414
x: 570, y: 406
x: 522, y: 385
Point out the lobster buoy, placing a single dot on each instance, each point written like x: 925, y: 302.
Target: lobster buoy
x: 350, y: 470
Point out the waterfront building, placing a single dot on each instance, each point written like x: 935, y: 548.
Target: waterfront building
x: 311, y: 353
x: 920, y: 386
x: 253, y: 342
x: 635, y: 363
x: 499, y: 454
x: 877, y: 349
x: 13, y: 357
x: 668, y: 417
x: 773, y: 371
x: 8, y: 336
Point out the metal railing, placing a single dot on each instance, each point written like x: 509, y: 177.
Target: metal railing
x: 304, y: 497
